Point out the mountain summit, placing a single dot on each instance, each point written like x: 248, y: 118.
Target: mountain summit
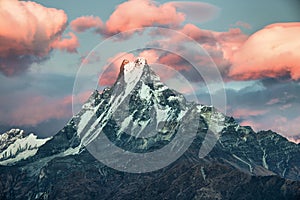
x: 139, y: 139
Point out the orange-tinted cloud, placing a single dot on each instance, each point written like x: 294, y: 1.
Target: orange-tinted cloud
x: 220, y: 46
x: 37, y: 109
x: 28, y: 27
x: 67, y: 44
x: 151, y: 55
x: 273, y: 51
x: 134, y: 14
x: 243, y: 25
x: 225, y: 42
x: 84, y: 23
x: 90, y: 58
x: 28, y: 32
x: 142, y: 13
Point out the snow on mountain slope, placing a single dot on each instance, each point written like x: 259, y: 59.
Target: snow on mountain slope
x: 138, y: 105
x: 16, y: 146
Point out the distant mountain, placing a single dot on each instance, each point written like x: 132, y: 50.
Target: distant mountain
x: 16, y: 146
x: 141, y: 115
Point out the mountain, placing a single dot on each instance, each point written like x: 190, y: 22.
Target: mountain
x: 140, y: 139
x: 16, y: 146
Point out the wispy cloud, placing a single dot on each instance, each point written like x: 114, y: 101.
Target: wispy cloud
x: 85, y: 23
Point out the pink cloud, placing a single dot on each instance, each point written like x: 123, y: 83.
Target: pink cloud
x: 281, y: 125
x: 254, y: 125
x: 241, y: 113
x: 142, y: 13
x: 28, y: 32
x: 134, y: 14
x: 243, y: 25
x: 270, y: 52
x: 202, y: 36
x: 37, y: 109
x: 151, y: 55
x: 28, y: 28
x: 174, y: 61
x: 220, y: 46
x: 90, y: 58
x: 273, y: 101
x: 273, y: 51
x: 286, y: 106
x: 84, y: 23
x: 67, y: 44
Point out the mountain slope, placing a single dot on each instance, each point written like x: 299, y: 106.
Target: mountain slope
x: 141, y: 115
x: 16, y: 146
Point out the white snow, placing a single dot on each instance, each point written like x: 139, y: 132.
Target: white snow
x: 86, y: 117
x: 203, y: 173
x: 132, y: 73
x: 264, y: 161
x: 215, y: 120
x: 145, y: 92
x: 125, y: 123
x: 21, y: 149
x: 181, y: 114
x: 161, y: 114
x: 250, y: 166
x: 172, y: 98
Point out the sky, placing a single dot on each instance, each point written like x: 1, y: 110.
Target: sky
x: 50, y: 48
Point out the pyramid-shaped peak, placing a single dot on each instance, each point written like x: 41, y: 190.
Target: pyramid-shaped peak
x: 140, y: 61
x: 132, y: 71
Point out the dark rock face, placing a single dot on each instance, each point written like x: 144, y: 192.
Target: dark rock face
x: 242, y: 165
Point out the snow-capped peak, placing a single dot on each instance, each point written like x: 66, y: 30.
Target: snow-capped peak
x: 133, y: 70
x: 15, y: 145
x: 10, y: 137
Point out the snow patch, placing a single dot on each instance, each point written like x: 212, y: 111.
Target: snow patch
x: 214, y: 119
x: 264, y: 161
x: 238, y: 158
x: 21, y: 149
x: 145, y: 92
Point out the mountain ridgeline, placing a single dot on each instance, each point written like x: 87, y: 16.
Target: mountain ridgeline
x: 141, y: 115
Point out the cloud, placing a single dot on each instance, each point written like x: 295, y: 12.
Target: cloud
x: 84, y: 23
x: 89, y: 58
x: 67, y: 44
x: 28, y: 32
x: 142, y: 13
x: 273, y: 106
x: 215, y: 46
x: 242, y: 24
x: 197, y: 12
x: 135, y: 14
x: 221, y: 46
x: 242, y: 113
x: 12, y: 65
x: 36, y: 109
x: 273, y: 51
